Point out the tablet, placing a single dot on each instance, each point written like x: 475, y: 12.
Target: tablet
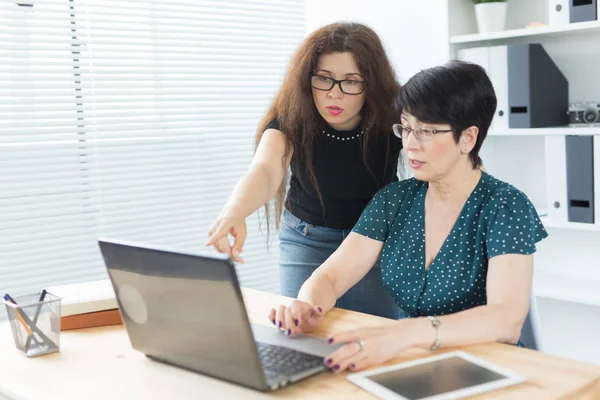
x: 451, y: 375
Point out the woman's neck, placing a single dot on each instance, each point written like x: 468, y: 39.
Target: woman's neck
x: 456, y: 186
x: 348, y: 125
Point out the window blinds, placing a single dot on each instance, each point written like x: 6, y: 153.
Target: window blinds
x: 133, y: 120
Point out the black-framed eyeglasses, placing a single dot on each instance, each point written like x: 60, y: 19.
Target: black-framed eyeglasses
x: 422, y: 134
x: 348, y: 86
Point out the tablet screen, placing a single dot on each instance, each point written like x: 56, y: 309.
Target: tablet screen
x: 435, y: 378
x: 453, y: 375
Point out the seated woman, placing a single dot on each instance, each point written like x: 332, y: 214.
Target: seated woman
x: 456, y: 244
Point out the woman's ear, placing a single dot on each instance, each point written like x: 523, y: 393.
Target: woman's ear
x: 468, y: 138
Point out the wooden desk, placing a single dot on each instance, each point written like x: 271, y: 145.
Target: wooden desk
x: 99, y: 363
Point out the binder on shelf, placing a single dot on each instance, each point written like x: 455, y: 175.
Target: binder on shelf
x: 530, y: 89
x: 558, y: 12
x: 556, y: 178
x: 563, y: 12
x: 580, y: 178
x: 493, y: 60
x: 582, y: 10
x: 538, y: 93
x: 499, y: 77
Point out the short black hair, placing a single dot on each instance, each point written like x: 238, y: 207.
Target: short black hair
x: 457, y: 93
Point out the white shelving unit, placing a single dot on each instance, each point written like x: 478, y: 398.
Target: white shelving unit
x: 567, y: 264
x: 576, y: 51
x: 574, y: 289
x: 550, y: 223
x: 581, y: 28
x: 555, y: 131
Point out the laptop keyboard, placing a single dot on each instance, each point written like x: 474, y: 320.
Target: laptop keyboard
x: 277, y: 360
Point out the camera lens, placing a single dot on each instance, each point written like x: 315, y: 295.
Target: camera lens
x: 590, y: 116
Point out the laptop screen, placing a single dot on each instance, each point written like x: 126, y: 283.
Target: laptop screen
x: 184, y: 309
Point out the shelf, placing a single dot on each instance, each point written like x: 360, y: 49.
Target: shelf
x: 554, y: 131
x: 545, y: 31
x: 549, y: 223
x: 583, y: 290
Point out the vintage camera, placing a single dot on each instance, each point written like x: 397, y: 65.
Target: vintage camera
x: 584, y: 113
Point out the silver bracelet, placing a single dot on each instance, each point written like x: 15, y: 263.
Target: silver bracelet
x: 436, y: 324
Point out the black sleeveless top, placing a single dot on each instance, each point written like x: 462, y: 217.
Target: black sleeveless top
x: 345, y: 183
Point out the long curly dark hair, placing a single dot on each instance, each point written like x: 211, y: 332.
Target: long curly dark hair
x: 293, y: 105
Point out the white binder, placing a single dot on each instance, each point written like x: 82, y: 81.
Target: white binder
x: 476, y: 55
x: 495, y: 62
x: 499, y: 77
x: 556, y: 178
x: 558, y: 12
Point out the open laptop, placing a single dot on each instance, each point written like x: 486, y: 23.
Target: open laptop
x: 187, y: 310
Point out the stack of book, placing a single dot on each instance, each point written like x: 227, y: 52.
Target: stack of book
x: 87, y: 304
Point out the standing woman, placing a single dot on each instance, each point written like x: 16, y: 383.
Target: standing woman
x: 329, y: 123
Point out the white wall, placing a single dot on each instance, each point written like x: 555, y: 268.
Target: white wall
x: 414, y: 33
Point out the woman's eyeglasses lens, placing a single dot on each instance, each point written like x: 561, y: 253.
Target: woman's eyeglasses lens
x: 348, y: 86
x: 420, y: 134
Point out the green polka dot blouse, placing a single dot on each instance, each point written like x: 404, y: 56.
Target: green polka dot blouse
x: 496, y: 219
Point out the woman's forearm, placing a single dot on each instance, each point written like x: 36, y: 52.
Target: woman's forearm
x: 343, y: 269
x: 483, y: 324
x: 251, y: 192
x: 318, y: 290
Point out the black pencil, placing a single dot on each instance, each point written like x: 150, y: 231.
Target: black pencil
x: 35, y: 318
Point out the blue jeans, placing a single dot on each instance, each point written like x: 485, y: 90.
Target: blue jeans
x: 304, y: 247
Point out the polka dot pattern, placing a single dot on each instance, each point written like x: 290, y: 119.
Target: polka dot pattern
x: 496, y: 219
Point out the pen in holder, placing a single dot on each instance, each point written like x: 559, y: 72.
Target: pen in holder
x: 35, y: 322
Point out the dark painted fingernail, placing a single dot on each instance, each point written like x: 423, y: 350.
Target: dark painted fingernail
x: 336, y: 367
x: 296, y: 322
x: 319, y: 309
x: 280, y: 324
x: 273, y: 321
x: 329, y: 361
x: 288, y: 332
x: 352, y: 366
x: 330, y: 340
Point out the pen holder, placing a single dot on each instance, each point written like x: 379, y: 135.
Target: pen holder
x: 35, y: 324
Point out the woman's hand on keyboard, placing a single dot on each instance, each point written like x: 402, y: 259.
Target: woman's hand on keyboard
x: 298, y: 317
